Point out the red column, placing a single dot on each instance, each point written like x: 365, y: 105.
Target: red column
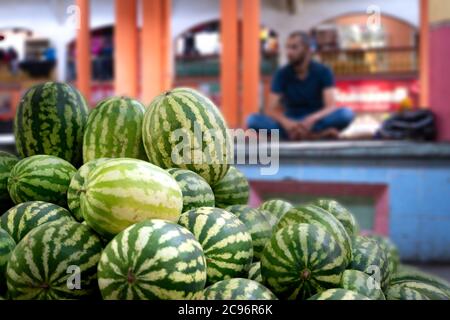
x: 439, y: 51
x: 126, y: 49
x: 250, y: 57
x: 424, y: 65
x: 229, y: 65
x: 83, y: 50
x: 156, y: 48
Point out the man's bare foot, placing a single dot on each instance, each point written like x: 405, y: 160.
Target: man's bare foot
x: 330, y: 134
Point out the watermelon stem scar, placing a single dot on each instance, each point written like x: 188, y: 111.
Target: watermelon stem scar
x: 305, y: 274
x: 131, y: 278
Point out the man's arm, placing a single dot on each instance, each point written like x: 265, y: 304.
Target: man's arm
x: 329, y: 99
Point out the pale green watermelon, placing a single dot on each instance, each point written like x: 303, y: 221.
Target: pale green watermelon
x: 122, y: 191
x: 77, y: 185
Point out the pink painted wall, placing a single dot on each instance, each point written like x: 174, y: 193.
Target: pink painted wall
x: 440, y: 78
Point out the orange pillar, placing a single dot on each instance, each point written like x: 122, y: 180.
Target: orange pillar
x: 424, y: 53
x: 229, y: 66
x: 126, y: 52
x: 83, y: 50
x: 155, y: 48
x: 250, y: 57
x: 166, y: 47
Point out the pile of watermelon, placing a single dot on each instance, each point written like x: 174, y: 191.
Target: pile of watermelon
x: 114, y: 204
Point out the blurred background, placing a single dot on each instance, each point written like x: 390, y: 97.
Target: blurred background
x: 388, y: 56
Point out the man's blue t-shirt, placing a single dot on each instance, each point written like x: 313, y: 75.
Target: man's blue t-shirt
x: 302, y: 97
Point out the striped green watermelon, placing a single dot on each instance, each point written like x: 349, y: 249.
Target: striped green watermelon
x: 415, y: 290
x: 277, y: 207
x: 391, y: 251
x: 257, y: 224
x: 7, y: 245
x: 270, y: 217
x: 114, y: 130
x: 232, y: 189
x: 184, y: 129
x: 50, y: 119
x: 254, y: 272
x: 360, y: 282
x: 44, y: 265
x: 338, y: 294
x: 370, y: 258
x: 41, y: 177
x: 408, y: 274
x: 77, y: 184
x: 122, y: 191
x: 341, y: 213
x: 24, y: 217
x: 7, y: 162
x: 152, y: 260
x: 225, y: 240
x: 318, y: 216
x: 301, y: 260
x: 196, y: 191
x: 237, y: 289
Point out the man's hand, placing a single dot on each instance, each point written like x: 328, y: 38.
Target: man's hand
x: 308, y: 123
x: 294, y: 129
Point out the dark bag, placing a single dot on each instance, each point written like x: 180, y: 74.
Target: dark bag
x: 409, y: 125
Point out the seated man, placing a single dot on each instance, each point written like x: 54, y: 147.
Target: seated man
x: 301, y: 103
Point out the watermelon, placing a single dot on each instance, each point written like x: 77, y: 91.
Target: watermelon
x: 341, y: 213
x: 77, y: 184
x: 301, y: 260
x: 50, y: 119
x: 41, y: 177
x: 225, y: 240
x: 254, y: 272
x: 196, y: 191
x: 24, y: 217
x: 7, y: 162
x: 7, y: 245
x: 152, y: 260
x: 415, y: 290
x: 360, y: 282
x: 184, y: 129
x: 114, y: 130
x: 120, y: 192
x: 338, y: 294
x: 270, y: 217
x: 45, y: 263
x: 232, y: 189
x: 391, y: 251
x: 318, y: 216
x: 237, y: 289
x: 276, y: 207
x: 370, y: 258
x: 408, y: 274
x: 257, y: 224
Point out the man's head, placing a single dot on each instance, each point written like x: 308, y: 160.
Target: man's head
x: 298, y: 47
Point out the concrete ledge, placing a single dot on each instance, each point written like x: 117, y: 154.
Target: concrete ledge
x: 370, y: 150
